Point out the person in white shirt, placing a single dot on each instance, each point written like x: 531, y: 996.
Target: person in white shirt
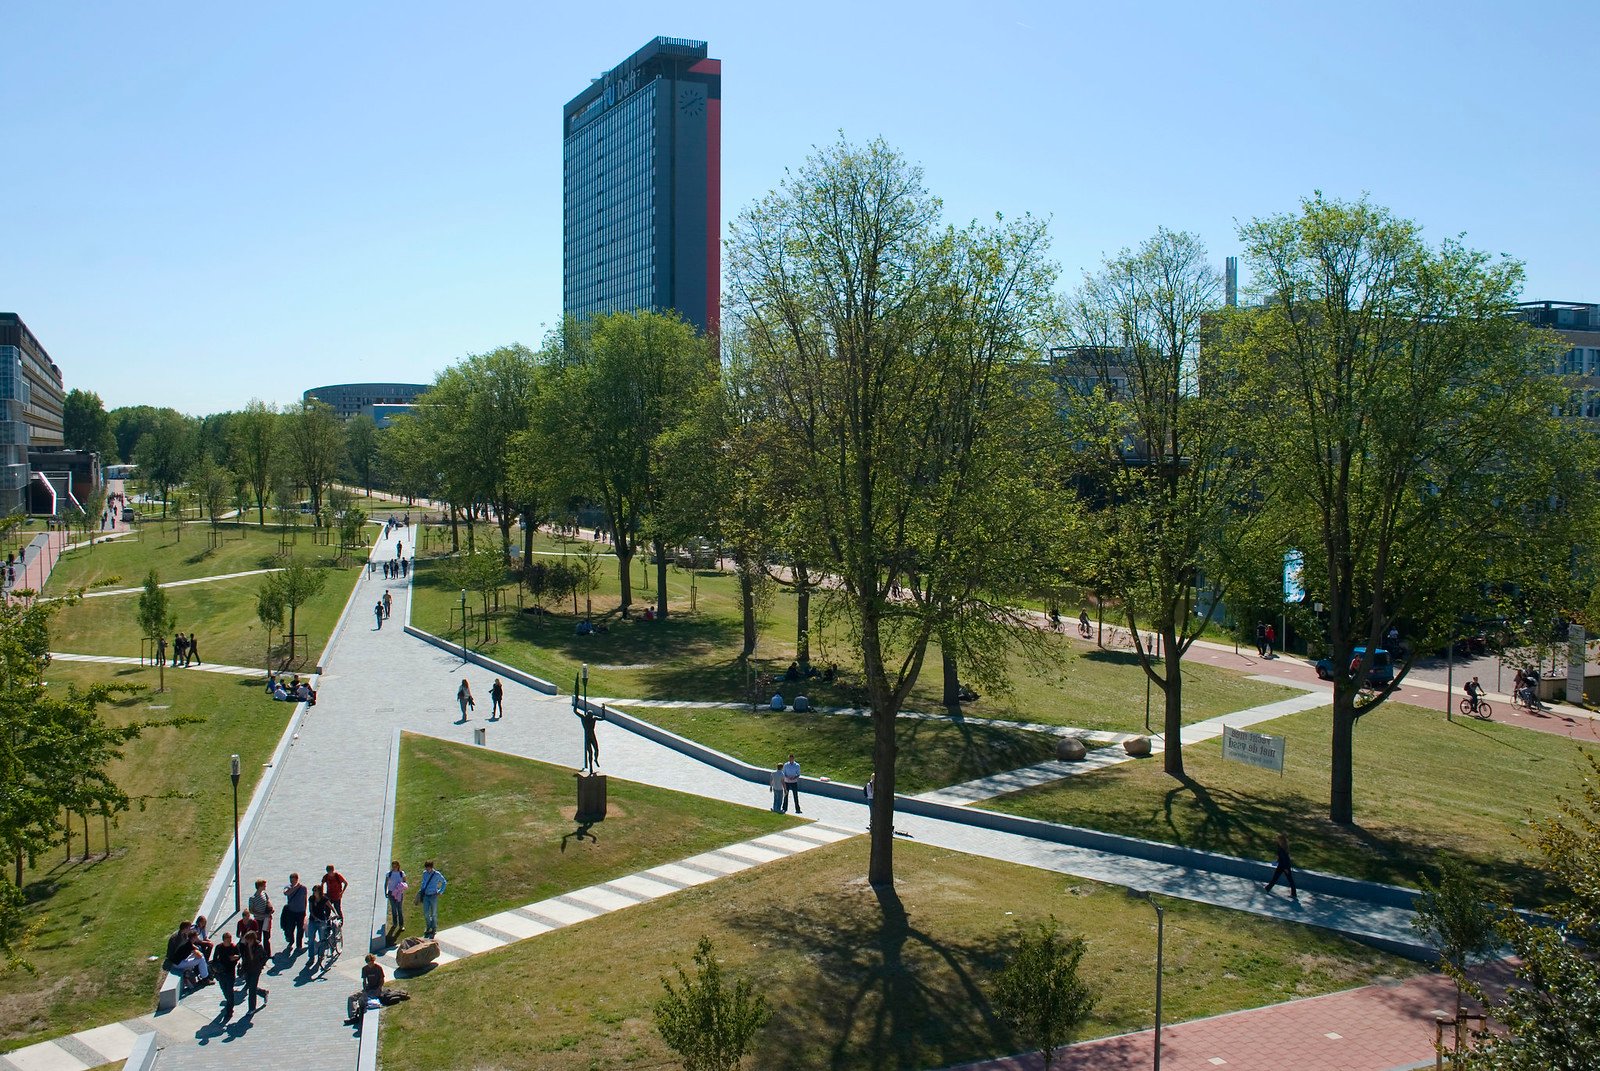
x: 776, y: 782
x: 791, y: 782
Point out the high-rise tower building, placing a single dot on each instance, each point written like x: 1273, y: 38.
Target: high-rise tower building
x: 642, y: 186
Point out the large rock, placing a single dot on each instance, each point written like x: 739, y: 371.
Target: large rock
x: 1070, y: 749
x: 415, y: 953
x: 1138, y: 747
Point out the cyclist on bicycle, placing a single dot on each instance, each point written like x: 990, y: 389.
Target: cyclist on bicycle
x: 1083, y: 623
x: 1474, y: 693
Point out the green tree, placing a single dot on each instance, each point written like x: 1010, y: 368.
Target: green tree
x: 292, y: 587
x: 164, y: 453
x: 1159, y: 458
x: 269, y: 611
x: 155, y: 619
x: 1407, y: 415
x: 481, y: 572
x: 1551, y: 1014
x: 213, y: 484
x: 620, y: 381
x: 1039, y: 991
x: 256, y: 455
x: 361, y: 447
x: 1457, y: 917
x: 901, y: 358
x: 85, y: 425
x: 313, y: 443
x: 707, y: 1021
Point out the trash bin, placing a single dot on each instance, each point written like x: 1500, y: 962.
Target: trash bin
x: 480, y: 736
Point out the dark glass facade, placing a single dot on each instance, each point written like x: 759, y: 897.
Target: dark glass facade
x: 31, y: 400
x: 642, y: 186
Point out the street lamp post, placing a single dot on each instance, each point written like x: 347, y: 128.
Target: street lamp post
x: 1161, y: 918
x: 237, y: 896
x: 463, y: 624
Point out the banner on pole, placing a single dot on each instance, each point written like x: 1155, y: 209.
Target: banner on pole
x: 1294, y: 564
x: 1255, y: 749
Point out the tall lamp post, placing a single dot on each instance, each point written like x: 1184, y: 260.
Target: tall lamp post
x: 463, y: 624
x: 237, y: 896
x: 1140, y: 894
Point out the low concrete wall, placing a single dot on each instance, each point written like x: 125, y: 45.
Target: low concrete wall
x: 145, y: 1051
x: 1111, y: 843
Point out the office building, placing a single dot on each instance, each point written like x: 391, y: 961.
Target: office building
x: 1578, y: 324
x: 641, y: 186
x: 380, y: 401
x: 31, y: 401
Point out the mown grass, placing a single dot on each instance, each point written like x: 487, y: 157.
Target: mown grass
x: 129, y: 559
x: 1426, y: 789
x: 694, y: 655
x: 99, y: 920
x: 221, y: 614
x: 501, y: 828
x: 854, y: 981
x: 933, y: 754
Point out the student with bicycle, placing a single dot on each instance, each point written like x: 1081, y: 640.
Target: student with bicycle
x: 1474, y: 694
x: 1083, y: 623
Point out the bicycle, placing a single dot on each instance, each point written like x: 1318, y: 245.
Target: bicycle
x: 1483, y: 713
x: 1083, y: 628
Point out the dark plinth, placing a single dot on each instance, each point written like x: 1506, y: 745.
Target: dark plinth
x: 591, y: 797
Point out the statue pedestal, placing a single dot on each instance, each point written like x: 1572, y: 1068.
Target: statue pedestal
x: 591, y: 797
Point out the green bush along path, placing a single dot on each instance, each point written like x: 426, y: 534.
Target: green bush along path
x: 501, y: 827
x: 1426, y: 788
x: 854, y: 982
x: 101, y: 919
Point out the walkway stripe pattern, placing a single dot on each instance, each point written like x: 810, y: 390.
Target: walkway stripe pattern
x: 121, y: 660
x: 581, y: 905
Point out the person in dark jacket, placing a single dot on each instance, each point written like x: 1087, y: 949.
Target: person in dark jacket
x: 252, y: 960
x: 292, y: 916
x: 183, y: 956
x: 1285, y: 869
x: 225, y: 965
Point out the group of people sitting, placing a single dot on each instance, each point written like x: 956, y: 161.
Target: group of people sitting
x: 794, y: 672
x: 293, y: 691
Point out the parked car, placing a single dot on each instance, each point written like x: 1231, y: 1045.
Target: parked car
x: 1380, y: 670
x: 129, y: 515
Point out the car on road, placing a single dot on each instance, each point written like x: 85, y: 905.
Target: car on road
x: 1380, y: 670
x: 129, y: 515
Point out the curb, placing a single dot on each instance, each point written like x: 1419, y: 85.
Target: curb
x: 1368, y: 892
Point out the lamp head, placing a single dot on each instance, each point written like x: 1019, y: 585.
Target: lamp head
x: 234, y: 767
x: 586, y: 673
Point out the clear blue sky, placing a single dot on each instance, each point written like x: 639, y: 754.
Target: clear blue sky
x: 202, y: 203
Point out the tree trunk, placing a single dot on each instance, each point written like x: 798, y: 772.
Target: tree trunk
x: 291, y: 633
x: 952, y: 679
x: 802, y: 635
x: 747, y: 605
x: 661, y: 580
x: 885, y: 745
x: 1341, y: 802
x: 504, y: 518
x: 67, y: 826
x: 455, y: 532
x: 85, y: 817
x: 527, y: 539
x: 261, y: 512
x: 19, y: 865
x: 625, y: 573
x: 1172, y: 693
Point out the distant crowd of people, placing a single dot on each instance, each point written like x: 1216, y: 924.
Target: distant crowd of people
x: 185, y: 649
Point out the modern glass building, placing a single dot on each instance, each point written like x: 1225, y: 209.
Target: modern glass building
x: 380, y: 401
x: 31, y: 400
x: 642, y: 186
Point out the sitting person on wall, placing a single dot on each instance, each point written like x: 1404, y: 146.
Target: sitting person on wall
x: 585, y: 627
x: 371, y: 989
x: 279, y: 692
x: 793, y: 672
x: 777, y: 701
x: 304, y: 694
x: 649, y: 613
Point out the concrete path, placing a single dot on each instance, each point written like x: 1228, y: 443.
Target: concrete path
x: 182, y: 583
x: 121, y: 660
x: 327, y: 807
x: 1055, y: 770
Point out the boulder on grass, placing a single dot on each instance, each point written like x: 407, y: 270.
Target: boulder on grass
x: 415, y: 953
x: 1138, y: 747
x: 1070, y: 749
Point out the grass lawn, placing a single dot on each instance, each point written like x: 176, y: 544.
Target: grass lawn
x: 853, y: 983
x: 222, y: 615
x: 100, y: 920
x: 501, y: 827
x: 129, y: 559
x: 1425, y: 789
x: 933, y: 754
x: 694, y: 656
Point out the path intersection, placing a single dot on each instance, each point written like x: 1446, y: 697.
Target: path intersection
x: 327, y: 802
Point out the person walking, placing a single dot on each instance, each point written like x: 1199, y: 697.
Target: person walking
x: 433, y: 885
x: 179, y: 645
x: 497, y: 700
x: 319, y: 913
x: 1272, y: 640
x: 464, y: 700
x: 333, y: 886
x: 194, y: 650
x: 261, y: 910
x: 388, y: 605
x: 161, y: 650
x: 1261, y: 638
x: 867, y: 790
x: 377, y: 611
x: 1284, y: 870
x: 252, y: 960
x: 791, y: 782
x: 776, y: 782
x: 294, y: 915
x: 225, y: 968
x: 394, y: 887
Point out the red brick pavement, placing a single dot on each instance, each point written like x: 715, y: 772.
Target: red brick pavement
x: 1374, y: 1028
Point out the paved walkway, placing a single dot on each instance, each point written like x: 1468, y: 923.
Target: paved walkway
x: 121, y: 660
x: 182, y: 583
x: 327, y: 807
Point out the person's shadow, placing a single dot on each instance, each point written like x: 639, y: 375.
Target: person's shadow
x: 582, y: 833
